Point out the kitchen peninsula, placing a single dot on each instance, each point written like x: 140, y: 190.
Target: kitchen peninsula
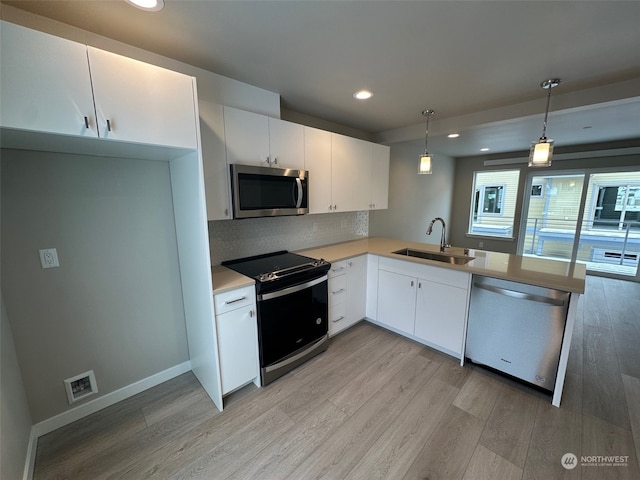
x: 447, y: 288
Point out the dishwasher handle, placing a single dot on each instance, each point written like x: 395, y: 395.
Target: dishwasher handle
x: 556, y: 302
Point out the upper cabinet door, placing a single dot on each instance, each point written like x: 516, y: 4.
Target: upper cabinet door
x: 380, y: 177
x: 45, y: 83
x: 214, y: 161
x: 317, y: 160
x: 350, y: 173
x: 247, y: 137
x: 142, y: 103
x: 286, y: 144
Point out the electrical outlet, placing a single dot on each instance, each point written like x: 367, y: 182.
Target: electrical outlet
x: 480, y: 244
x: 315, y: 226
x: 344, y: 224
x: 49, y: 258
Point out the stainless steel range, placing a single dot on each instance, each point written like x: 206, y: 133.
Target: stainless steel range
x: 292, y: 301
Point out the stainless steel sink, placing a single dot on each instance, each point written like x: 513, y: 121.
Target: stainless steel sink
x: 439, y: 257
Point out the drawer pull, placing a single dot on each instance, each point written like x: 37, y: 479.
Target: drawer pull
x: 337, y: 291
x: 229, y: 302
x: 337, y: 269
x: 341, y: 317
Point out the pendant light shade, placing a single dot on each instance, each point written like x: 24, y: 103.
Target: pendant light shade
x: 426, y: 164
x: 541, y: 151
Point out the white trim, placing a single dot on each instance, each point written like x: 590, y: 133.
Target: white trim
x: 81, y: 411
x: 30, y: 461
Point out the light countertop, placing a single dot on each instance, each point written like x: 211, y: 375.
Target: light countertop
x: 225, y: 279
x: 535, y: 271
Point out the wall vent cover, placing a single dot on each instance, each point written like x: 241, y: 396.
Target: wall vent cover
x: 80, y: 386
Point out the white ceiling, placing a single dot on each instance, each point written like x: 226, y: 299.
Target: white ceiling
x: 478, y: 64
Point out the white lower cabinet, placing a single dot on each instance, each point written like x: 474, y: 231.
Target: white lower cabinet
x: 441, y: 311
x: 347, y: 293
x: 396, y: 301
x: 237, y: 338
x: 427, y: 303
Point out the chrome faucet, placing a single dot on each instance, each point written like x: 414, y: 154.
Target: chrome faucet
x: 443, y: 242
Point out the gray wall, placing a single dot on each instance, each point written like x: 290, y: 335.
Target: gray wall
x: 568, y: 158
x: 414, y: 200
x: 15, y: 420
x: 229, y: 239
x: 115, y: 304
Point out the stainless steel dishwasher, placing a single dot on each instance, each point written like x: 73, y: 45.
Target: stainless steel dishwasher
x: 517, y: 329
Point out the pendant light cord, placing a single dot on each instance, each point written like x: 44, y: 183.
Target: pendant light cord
x: 426, y: 135
x: 546, y: 114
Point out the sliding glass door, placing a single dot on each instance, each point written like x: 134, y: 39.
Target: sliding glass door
x: 589, y: 217
x: 610, y: 233
x: 552, y: 215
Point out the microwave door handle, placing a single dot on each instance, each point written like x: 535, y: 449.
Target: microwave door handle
x: 298, y: 197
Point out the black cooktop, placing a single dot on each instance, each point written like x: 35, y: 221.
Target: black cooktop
x: 272, y: 265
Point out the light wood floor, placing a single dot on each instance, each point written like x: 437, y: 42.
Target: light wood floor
x: 376, y: 405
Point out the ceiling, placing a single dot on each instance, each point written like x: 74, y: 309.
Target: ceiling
x: 478, y: 64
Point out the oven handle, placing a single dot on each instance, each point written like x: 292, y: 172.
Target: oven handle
x: 294, y: 289
x: 290, y: 360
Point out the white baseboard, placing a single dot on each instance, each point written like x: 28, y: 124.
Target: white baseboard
x: 31, y: 455
x: 81, y: 411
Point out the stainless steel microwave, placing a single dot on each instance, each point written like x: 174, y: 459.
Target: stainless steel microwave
x: 268, y: 192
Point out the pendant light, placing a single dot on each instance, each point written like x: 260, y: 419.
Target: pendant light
x: 541, y: 151
x: 425, y: 166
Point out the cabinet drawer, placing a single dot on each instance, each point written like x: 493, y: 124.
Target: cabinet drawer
x: 233, y: 299
x: 337, y: 315
x: 337, y: 290
x: 337, y: 268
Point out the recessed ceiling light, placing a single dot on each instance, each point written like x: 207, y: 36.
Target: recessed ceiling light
x: 484, y: 149
x: 148, y: 5
x: 363, y: 94
x: 453, y: 135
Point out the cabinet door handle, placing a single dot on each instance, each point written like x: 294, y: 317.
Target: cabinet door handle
x: 251, y: 313
x: 412, y: 283
x: 341, y: 317
x: 229, y: 302
x: 337, y: 291
x: 86, y: 122
x: 275, y: 160
x: 108, y: 125
x: 419, y: 284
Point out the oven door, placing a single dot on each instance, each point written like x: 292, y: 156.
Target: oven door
x: 291, y: 320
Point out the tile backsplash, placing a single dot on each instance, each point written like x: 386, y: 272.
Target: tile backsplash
x: 229, y: 239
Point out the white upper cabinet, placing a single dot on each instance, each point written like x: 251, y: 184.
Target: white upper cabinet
x: 350, y: 173
x: 142, y: 103
x: 317, y: 160
x: 254, y: 139
x: 286, y: 144
x: 45, y: 83
x: 57, y: 86
x: 246, y: 137
x: 380, y: 177
x: 214, y: 161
